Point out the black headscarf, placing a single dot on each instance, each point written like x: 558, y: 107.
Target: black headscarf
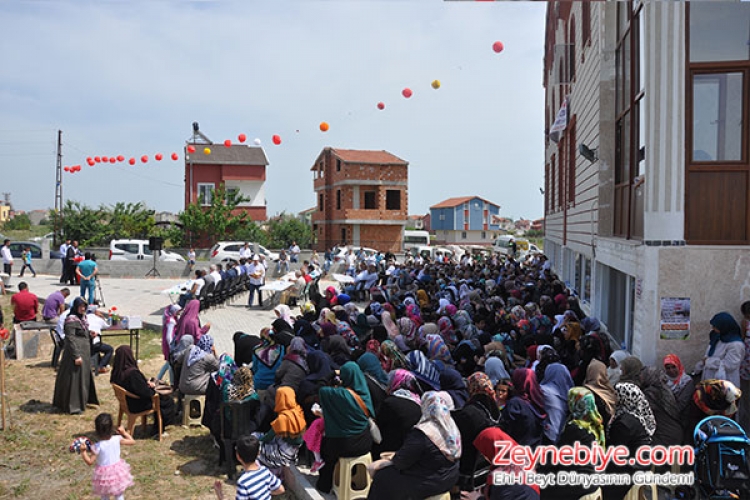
x: 282, y: 332
x: 123, y: 366
x: 244, y: 345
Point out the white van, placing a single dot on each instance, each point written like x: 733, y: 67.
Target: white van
x: 432, y: 253
x: 415, y: 238
x: 523, y: 246
x: 139, y: 250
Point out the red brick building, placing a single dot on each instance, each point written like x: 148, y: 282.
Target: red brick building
x: 362, y: 199
x: 242, y: 169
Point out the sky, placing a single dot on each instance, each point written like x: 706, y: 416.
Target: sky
x: 130, y: 77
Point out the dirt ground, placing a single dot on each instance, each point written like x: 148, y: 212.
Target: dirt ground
x: 34, y: 457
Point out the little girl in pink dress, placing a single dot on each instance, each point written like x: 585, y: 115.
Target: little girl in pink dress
x: 111, y: 474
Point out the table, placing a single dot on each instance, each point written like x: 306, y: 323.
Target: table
x: 343, y: 278
x: 120, y: 330
x: 278, y: 287
x: 176, y: 290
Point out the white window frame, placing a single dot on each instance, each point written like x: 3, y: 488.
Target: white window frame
x: 205, y: 197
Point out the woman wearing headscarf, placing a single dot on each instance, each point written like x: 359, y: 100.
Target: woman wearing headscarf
x: 584, y: 427
x: 168, y: 323
x: 267, y: 358
x: 373, y: 346
x: 408, y: 335
x: 395, y: 358
x: 669, y: 429
x: 725, y: 350
x: 283, y: 312
x: 546, y: 355
x: 615, y: 370
x: 321, y: 372
x: 390, y: 325
x: 427, y: 462
x: 466, y: 354
x: 74, y: 384
x: 189, y: 322
x: 126, y: 374
x: 632, y: 426
x: 604, y: 394
x: 377, y: 380
x: 346, y: 409
x: 485, y: 443
x: 304, y: 328
x: 244, y: 345
x: 279, y: 446
x: 453, y: 383
x: 437, y: 350
x: 680, y: 383
x: 424, y: 370
x: 495, y: 369
x: 400, y: 411
x: 446, y: 330
x: 423, y: 299
x: 293, y: 368
x: 337, y: 348
x: 630, y: 370
x: 282, y: 332
x: 557, y: 382
x: 198, y: 363
x: 523, y: 416
x: 479, y: 412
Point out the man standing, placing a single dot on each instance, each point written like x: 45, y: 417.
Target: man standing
x: 7, y: 258
x: 54, y: 305
x: 86, y: 272
x: 69, y: 274
x: 257, y: 274
x: 25, y: 304
x: 63, y: 253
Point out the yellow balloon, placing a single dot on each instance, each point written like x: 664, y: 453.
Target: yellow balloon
x: 435, y: 84
x: 207, y: 151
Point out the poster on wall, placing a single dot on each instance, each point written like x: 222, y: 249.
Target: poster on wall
x: 675, y: 318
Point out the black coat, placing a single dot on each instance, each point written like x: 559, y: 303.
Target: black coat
x: 396, y: 418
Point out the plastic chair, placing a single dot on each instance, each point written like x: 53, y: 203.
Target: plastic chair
x: 121, y: 395
x: 237, y: 419
x: 348, y: 485
x: 187, y: 401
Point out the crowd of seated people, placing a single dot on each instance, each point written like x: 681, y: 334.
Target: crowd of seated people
x: 454, y: 357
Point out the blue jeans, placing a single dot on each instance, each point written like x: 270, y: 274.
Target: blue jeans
x: 251, y: 289
x: 89, y: 285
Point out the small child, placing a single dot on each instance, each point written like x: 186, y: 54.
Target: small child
x: 313, y: 438
x: 26, y: 257
x: 256, y: 482
x: 111, y: 474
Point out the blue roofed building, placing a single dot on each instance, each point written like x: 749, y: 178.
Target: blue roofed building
x: 467, y: 220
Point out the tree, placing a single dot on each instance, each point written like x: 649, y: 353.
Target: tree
x: 285, y: 229
x: 86, y: 225
x: 130, y: 221
x: 18, y: 222
x: 216, y: 221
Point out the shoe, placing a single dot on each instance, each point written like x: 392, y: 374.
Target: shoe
x: 316, y: 466
x: 103, y: 369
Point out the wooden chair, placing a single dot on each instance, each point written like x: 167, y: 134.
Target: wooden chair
x: 121, y: 394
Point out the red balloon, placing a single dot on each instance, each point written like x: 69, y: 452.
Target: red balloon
x: 97, y: 159
x: 228, y: 143
x: 112, y: 159
x: 276, y: 139
x: 105, y: 159
x: 242, y: 137
x: 158, y: 156
x: 191, y: 149
x: 498, y: 47
x: 91, y: 162
x: 67, y: 169
x: 381, y: 105
x: 120, y: 158
x: 131, y: 161
x: 144, y: 158
x: 406, y: 92
x: 174, y: 156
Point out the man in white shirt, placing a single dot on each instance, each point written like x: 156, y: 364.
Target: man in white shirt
x: 63, y: 251
x: 246, y: 252
x: 102, y: 351
x: 59, y: 337
x: 195, y: 288
x: 7, y: 258
x: 215, y: 273
x: 257, y: 272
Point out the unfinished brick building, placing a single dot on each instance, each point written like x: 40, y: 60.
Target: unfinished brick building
x: 362, y: 199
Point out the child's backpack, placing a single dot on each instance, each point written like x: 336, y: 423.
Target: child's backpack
x: 722, y: 450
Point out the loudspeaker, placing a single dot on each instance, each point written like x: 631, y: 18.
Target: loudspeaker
x: 155, y: 243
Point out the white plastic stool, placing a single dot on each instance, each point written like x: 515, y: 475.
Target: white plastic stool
x: 186, y: 402
x: 348, y: 485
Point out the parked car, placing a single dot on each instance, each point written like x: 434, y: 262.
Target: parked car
x: 224, y: 251
x: 48, y: 236
x: 139, y: 250
x: 16, y: 247
x: 523, y: 246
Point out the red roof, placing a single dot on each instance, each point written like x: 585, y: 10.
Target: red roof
x: 364, y: 156
x: 454, y: 202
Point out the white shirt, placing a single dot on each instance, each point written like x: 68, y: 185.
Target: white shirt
x: 216, y: 275
x: 257, y: 272
x: 246, y: 253
x: 201, y: 283
x: 108, y: 452
x: 64, y: 249
x: 96, y: 323
x: 60, y: 328
x: 7, y: 257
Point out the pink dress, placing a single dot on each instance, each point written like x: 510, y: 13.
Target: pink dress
x: 313, y: 436
x: 111, y: 473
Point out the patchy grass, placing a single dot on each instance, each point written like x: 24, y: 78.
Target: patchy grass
x: 34, y: 457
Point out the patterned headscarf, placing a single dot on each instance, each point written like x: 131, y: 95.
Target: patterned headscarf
x: 480, y: 383
x: 307, y: 308
x: 423, y: 369
x: 396, y: 358
x: 717, y: 397
x: 200, y: 349
x: 583, y: 413
x: 682, y: 379
x: 527, y: 388
x: 630, y: 399
x: 438, y: 425
x: 436, y: 349
x: 402, y: 383
x: 446, y: 330
x: 242, y: 386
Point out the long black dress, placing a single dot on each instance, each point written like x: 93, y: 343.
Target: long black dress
x: 74, y: 385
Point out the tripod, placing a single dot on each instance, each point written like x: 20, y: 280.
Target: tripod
x: 99, y: 292
x: 154, y: 272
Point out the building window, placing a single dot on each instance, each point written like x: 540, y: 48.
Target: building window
x: 338, y: 199
x: 484, y: 235
x: 320, y: 202
x: 370, y: 200
x: 572, y: 150
x: 233, y: 194
x: 463, y: 235
x: 572, y: 50
x: 343, y: 236
x: 320, y: 170
x: 442, y: 217
x: 717, y: 198
x: 205, y: 193
x: 585, y: 25
x: 338, y: 165
x: 393, y: 199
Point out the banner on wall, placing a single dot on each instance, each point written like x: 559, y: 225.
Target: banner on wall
x: 675, y: 318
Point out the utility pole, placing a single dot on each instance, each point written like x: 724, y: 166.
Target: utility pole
x: 57, y: 223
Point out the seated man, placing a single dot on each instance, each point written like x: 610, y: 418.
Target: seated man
x: 102, y: 351
x: 282, y: 266
x: 54, y: 305
x: 195, y: 288
x: 25, y: 304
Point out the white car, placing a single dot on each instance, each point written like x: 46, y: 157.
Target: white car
x: 225, y: 251
x: 139, y: 250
